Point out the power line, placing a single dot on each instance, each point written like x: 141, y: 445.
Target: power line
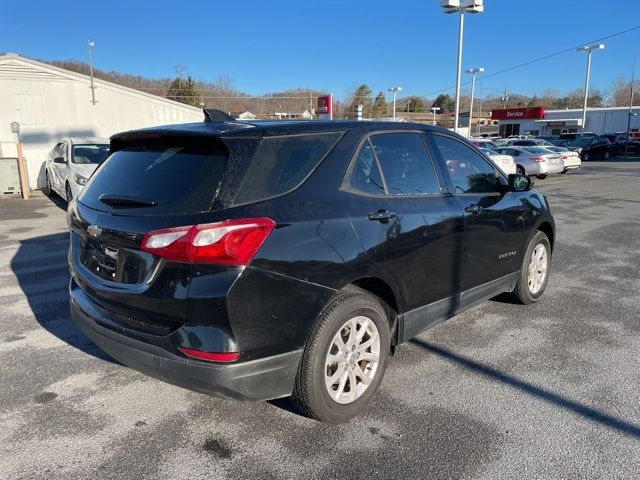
x: 541, y: 58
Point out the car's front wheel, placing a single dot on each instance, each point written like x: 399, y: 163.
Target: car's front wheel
x: 606, y: 155
x: 344, y: 359
x: 47, y: 184
x: 585, y: 157
x: 520, y: 170
x: 534, y: 272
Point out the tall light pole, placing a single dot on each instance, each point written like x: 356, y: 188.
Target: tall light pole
x: 473, y: 72
x: 461, y: 7
x: 588, y: 49
x: 90, y: 46
x: 394, y: 90
x: 434, y: 110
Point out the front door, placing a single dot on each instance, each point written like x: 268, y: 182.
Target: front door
x: 494, y: 226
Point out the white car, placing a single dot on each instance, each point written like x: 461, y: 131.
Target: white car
x: 503, y: 162
x: 536, y: 161
x: 70, y: 164
x: 570, y: 158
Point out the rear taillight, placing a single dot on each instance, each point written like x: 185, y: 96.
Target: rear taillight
x: 538, y: 159
x: 222, y: 357
x: 230, y: 242
x: 565, y: 157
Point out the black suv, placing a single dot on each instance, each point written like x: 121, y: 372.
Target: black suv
x: 272, y: 259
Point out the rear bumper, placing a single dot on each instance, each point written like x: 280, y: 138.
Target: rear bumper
x: 262, y: 379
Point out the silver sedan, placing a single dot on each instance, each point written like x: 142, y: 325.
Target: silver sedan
x: 536, y: 161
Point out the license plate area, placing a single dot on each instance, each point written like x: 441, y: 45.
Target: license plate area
x: 120, y: 265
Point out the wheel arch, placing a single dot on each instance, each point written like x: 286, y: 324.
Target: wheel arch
x: 546, y: 228
x: 382, y: 290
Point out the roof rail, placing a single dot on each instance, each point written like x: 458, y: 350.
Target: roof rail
x: 213, y: 115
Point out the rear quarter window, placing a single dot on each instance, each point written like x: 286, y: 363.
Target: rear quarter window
x: 282, y: 163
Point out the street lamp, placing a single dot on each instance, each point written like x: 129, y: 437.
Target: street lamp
x: 588, y: 49
x: 90, y: 46
x: 460, y: 6
x: 473, y: 72
x: 434, y: 110
x: 394, y: 90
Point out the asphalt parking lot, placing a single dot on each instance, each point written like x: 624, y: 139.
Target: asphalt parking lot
x: 503, y: 391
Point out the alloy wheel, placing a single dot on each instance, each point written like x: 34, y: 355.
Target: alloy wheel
x: 352, y: 360
x: 538, y: 266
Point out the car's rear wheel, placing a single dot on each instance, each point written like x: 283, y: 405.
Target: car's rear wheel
x: 585, y: 157
x: 541, y: 177
x: 520, y: 170
x: 534, y: 272
x: 606, y: 155
x: 344, y: 359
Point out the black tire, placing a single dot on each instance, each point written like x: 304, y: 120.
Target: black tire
x: 564, y: 171
x: 69, y: 195
x: 585, y: 157
x: 520, y: 170
x: 606, y: 155
x: 47, y: 184
x: 310, y: 395
x: 542, y: 177
x: 522, y: 291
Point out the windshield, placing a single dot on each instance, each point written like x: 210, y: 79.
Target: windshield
x: 89, y: 153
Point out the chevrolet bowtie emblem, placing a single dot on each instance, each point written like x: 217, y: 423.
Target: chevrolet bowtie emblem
x: 94, y: 230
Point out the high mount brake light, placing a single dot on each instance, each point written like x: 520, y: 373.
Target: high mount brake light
x: 230, y: 242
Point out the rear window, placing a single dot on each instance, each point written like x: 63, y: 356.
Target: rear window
x: 89, y: 153
x: 181, y: 175
x: 282, y: 163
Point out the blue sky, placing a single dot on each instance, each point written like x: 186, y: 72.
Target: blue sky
x: 331, y: 45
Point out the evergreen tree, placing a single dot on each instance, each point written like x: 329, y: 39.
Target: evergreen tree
x: 184, y: 91
x: 380, y: 106
x: 445, y: 102
x: 362, y: 96
x: 416, y: 104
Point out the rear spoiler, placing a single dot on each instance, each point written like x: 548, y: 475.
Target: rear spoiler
x: 213, y: 115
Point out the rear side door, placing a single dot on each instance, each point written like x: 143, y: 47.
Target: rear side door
x: 54, y: 173
x: 494, y: 226
x: 408, y: 224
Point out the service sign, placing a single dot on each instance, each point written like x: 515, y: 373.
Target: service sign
x: 324, y: 109
x: 534, y: 113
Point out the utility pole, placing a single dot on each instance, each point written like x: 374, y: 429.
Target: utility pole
x: 505, y: 98
x: 90, y: 45
x: 633, y: 79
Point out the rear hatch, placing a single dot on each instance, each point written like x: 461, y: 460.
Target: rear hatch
x: 155, y: 182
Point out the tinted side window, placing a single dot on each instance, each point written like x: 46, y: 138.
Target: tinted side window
x: 281, y: 164
x: 405, y: 166
x: 365, y: 176
x: 470, y: 173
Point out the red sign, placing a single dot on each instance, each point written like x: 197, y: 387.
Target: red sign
x: 535, y: 113
x: 324, y: 109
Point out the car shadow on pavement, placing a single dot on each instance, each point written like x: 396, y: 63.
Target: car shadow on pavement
x: 40, y: 267
x: 537, y: 392
x: 57, y: 201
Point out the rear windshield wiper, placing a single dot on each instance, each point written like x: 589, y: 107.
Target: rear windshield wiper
x: 115, y: 200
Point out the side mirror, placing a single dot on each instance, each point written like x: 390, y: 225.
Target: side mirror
x: 59, y: 160
x: 520, y: 183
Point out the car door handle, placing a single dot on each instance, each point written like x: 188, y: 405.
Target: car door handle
x: 473, y: 209
x: 382, y: 216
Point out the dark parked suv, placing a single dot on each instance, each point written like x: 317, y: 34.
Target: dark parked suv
x: 272, y: 259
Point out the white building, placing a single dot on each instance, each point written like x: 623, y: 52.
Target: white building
x: 538, y: 121
x: 50, y: 103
